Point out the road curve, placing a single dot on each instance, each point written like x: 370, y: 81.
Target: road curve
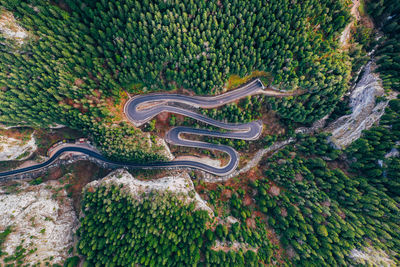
x: 138, y: 113
x: 153, y: 165
x: 143, y: 108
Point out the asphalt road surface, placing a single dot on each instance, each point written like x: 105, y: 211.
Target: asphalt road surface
x: 141, y: 109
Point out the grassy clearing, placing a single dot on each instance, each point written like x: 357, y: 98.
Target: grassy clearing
x: 116, y: 107
x: 133, y: 87
x: 235, y: 80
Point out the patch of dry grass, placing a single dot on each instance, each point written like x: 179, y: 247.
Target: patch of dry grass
x: 20, y: 133
x: 235, y: 80
x: 116, y: 108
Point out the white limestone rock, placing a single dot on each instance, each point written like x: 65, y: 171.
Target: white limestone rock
x: 31, y: 208
x: 366, y: 111
x: 15, y: 149
x: 179, y: 183
x: 10, y: 28
x: 369, y: 256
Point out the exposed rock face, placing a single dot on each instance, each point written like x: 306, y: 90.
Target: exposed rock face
x: 179, y: 183
x: 44, y: 221
x: 14, y: 149
x: 10, y: 28
x: 365, y: 110
x: 394, y: 152
x: 371, y: 257
x: 345, y: 36
x: 57, y: 126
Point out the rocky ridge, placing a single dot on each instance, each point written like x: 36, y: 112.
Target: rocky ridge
x: 42, y: 219
x: 15, y: 149
x: 180, y: 183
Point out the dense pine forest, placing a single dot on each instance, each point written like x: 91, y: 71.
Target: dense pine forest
x: 325, y: 214
x: 385, y: 14
x: 307, y: 204
x: 81, y: 55
x: 161, y: 229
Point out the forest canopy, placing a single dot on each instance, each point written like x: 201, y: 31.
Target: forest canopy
x: 83, y: 54
x: 160, y: 229
x: 385, y: 15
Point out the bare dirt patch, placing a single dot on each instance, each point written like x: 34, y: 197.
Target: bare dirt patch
x: 247, y: 200
x: 54, y: 173
x: 251, y: 223
x: 274, y: 191
x: 271, y: 122
x: 162, y: 123
x: 299, y: 177
x: 27, y: 163
x: 339, y: 164
x: 226, y: 194
x: 359, y: 11
x: 78, y: 82
x: 163, y: 118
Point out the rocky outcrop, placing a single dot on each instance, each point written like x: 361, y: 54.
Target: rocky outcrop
x: 180, y: 184
x: 345, y: 36
x: 253, y: 162
x: 42, y: 219
x: 366, y: 110
x: 15, y: 149
x: 369, y: 256
x: 10, y: 28
x: 57, y: 126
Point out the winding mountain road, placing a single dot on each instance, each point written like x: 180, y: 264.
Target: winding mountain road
x: 140, y: 109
